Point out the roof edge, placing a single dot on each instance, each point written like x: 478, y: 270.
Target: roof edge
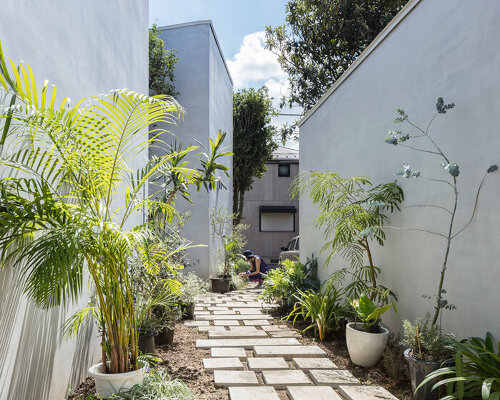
x: 202, y: 22
x: 400, y: 16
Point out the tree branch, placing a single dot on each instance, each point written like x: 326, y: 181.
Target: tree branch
x: 414, y: 229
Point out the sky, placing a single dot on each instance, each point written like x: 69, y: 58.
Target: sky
x: 239, y: 26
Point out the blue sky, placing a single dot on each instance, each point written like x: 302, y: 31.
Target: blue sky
x: 239, y: 25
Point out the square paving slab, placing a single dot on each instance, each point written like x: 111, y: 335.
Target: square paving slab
x: 285, y: 333
x: 288, y: 351
x: 272, y: 328
x: 223, y: 378
x: 365, y: 393
x: 280, y: 379
x: 312, y: 393
x: 230, y: 363
x: 228, y: 352
x: 246, y: 343
x: 333, y: 377
x: 266, y: 363
x: 211, y: 328
x: 233, y: 316
x: 314, y: 363
x: 253, y: 393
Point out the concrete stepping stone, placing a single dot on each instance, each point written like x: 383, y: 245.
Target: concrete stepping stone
x: 228, y: 352
x: 280, y: 379
x: 332, y: 377
x: 312, y: 393
x: 288, y: 351
x: 255, y: 322
x: 285, y: 333
x: 212, y: 308
x: 211, y: 328
x: 223, y: 312
x: 307, y: 364
x: 233, y: 316
x: 237, y: 334
x: 273, y: 328
x: 366, y: 393
x: 259, y: 364
x: 226, y: 322
x: 246, y: 343
x: 223, y: 378
x: 256, y: 311
x: 201, y: 313
x: 253, y: 393
x: 197, y: 323
x: 229, y: 363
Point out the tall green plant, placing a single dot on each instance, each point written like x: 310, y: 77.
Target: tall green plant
x: 161, y: 65
x: 64, y: 171
x: 351, y: 215
x: 399, y: 138
x: 476, y: 373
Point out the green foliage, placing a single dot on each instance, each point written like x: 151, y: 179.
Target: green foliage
x: 322, y: 38
x: 324, y: 310
x: 161, y: 65
x: 426, y: 340
x: 281, y: 284
x: 241, y: 266
x: 192, y: 286
x: 231, y: 237
x: 352, y: 214
x: 63, y: 170
x: 397, y: 138
x: 476, y: 373
x: 238, y: 282
x: 253, y: 141
x: 368, y: 313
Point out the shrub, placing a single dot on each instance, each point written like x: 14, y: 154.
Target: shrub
x: 324, y: 310
x: 426, y: 341
x: 281, y: 284
x: 476, y: 373
x: 193, y: 286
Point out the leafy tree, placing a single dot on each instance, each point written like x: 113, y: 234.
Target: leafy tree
x: 321, y: 38
x: 253, y: 141
x: 161, y: 65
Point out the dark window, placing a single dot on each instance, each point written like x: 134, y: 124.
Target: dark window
x: 283, y: 169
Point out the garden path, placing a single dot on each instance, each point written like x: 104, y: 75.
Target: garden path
x: 257, y: 358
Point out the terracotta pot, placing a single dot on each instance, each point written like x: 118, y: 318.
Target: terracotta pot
x: 365, y: 349
x: 220, y: 285
x: 166, y: 336
x: 108, y: 384
x: 147, y: 343
x: 419, y: 369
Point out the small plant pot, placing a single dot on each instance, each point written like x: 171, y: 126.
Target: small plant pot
x: 365, y: 349
x: 419, y: 369
x: 220, y: 285
x: 147, y: 343
x: 166, y: 336
x: 108, y: 384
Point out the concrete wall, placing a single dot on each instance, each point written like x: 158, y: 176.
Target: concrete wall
x: 205, y: 89
x: 441, y: 48
x: 270, y: 190
x: 85, y: 48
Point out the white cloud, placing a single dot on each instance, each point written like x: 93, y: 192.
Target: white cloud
x: 253, y: 63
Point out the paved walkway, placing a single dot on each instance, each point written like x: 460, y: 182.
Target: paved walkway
x: 256, y: 358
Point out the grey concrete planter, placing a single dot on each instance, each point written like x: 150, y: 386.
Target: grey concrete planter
x: 365, y: 349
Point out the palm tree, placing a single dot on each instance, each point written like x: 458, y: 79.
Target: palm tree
x: 64, y: 169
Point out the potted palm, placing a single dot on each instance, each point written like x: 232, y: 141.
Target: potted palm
x: 366, y: 339
x: 60, y: 215
x: 427, y: 358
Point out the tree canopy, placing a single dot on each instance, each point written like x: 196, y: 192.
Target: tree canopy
x: 321, y: 38
x: 253, y: 141
x: 161, y: 65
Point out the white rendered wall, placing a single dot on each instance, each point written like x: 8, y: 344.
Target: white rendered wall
x: 445, y: 48
x: 205, y: 89
x: 85, y: 48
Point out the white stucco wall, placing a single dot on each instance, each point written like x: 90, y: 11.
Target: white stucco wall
x: 445, y: 48
x: 85, y: 48
x: 205, y: 89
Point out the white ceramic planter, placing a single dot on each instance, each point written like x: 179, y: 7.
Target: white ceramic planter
x: 108, y: 384
x: 365, y: 349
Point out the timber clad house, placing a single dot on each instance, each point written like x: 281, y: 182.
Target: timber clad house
x: 269, y: 209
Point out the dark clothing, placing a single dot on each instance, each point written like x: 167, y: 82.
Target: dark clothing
x: 264, y: 268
